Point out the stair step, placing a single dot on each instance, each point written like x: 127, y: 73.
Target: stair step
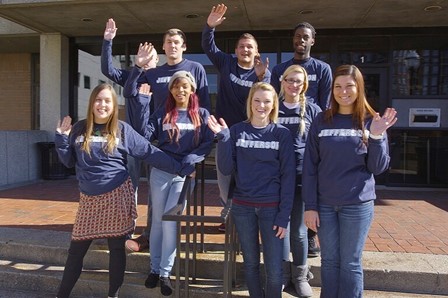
x: 415, y: 273
x: 45, y: 278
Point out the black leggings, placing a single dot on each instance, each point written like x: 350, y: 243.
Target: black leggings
x: 73, y: 266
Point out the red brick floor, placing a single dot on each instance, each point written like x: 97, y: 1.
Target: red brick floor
x: 409, y: 221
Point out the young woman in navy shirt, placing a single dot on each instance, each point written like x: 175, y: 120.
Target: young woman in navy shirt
x: 259, y: 154
x: 347, y: 145
x: 297, y: 113
x: 98, y: 147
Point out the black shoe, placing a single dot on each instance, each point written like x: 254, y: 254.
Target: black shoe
x: 165, y: 286
x: 222, y: 228
x: 313, y: 249
x: 151, y: 281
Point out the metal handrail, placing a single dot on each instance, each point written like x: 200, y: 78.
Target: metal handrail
x: 175, y: 214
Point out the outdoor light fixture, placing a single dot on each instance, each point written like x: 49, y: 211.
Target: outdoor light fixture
x: 306, y: 11
x: 192, y: 16
x: 412, y: 61
x: 432, y: 8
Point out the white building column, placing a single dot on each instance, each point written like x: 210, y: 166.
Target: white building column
x: 54, y: 74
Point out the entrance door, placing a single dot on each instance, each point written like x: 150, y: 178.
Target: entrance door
x: 375, y: 79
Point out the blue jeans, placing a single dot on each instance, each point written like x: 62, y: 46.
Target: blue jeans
x: 342, y: 234
x: 165, y: 191
x: 134, y: 167
x: 249, y: 223
x: 223, y: 181
x: 296, y: 240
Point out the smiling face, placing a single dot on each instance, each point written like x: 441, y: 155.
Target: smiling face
x: 262, y: 105
x: 302, y: 41
x: 181, y: 90
x: 245, y: 51
x: 345, y: 93
x: 292, y: 86
x: 103, y: 106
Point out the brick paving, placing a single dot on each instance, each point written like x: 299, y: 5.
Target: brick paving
x: 406, y: 221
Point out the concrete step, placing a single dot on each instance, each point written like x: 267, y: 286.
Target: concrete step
x: 92, y: 283
x: 45, y: 253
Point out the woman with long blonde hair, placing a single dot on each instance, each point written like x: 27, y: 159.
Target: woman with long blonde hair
x: 98, y: 147
x: 297, y: 113
x: 259, y: 154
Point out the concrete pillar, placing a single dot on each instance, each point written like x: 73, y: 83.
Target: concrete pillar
x: 54, y: 75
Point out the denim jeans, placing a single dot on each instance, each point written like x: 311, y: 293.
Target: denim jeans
x: 165, y: 191
x: 134, y: 167
x: 223, y: 181
x: 250, y: 222
x: 296, y: 240
x: 342, y: 234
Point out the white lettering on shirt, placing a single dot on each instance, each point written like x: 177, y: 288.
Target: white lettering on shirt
x: 238, y: 81
x: 342, y: 133
x: 181, y: 126
x: 161, y: 80
x: 289, y: 120
x: 274, y: 145
x: 95, y: 139
x: 312, y: 77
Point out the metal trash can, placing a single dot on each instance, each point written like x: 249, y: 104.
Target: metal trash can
x: 52, y: 168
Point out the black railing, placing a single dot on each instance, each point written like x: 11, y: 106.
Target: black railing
x: 196, y: 222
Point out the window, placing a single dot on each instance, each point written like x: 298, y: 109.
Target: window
x: 86, y: 82
x: 420, y: 72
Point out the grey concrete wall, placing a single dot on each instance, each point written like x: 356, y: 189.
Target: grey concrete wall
x: 53, y: 79
x: 20, y: 157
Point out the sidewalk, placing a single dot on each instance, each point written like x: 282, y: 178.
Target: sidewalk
x: 406, y: 220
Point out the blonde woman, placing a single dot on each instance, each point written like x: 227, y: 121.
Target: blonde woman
x: 296, y: 114
x: 259, y: 153
x: 98, y: 147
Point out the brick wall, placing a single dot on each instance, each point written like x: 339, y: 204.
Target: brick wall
x: 15, y: 91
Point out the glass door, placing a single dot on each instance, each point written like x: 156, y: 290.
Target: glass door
x: 375, y: 79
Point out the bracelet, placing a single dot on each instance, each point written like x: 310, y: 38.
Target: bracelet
x: 377, y: 137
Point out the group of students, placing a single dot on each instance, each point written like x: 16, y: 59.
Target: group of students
x: 311, y: 143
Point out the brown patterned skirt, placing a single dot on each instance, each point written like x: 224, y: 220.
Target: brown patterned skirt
x: 107, y: 215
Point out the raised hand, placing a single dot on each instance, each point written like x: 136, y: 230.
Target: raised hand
x: 381, y: 124
x: 260, y: 67
x: 65, y: 126
x: 111, y: 30
x: 216, y: 16
x: 144, y: 55
x: 145, y: 89
x: 216, y: 126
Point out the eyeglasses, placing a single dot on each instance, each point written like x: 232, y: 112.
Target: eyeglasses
x: 292, y: 82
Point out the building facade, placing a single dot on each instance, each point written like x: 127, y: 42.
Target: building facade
x: 406, y: 68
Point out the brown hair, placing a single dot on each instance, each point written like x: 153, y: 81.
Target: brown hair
x: 362, y: 108
x: 246, y: 36
x: 112, y: 128
x: 175, y: 31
